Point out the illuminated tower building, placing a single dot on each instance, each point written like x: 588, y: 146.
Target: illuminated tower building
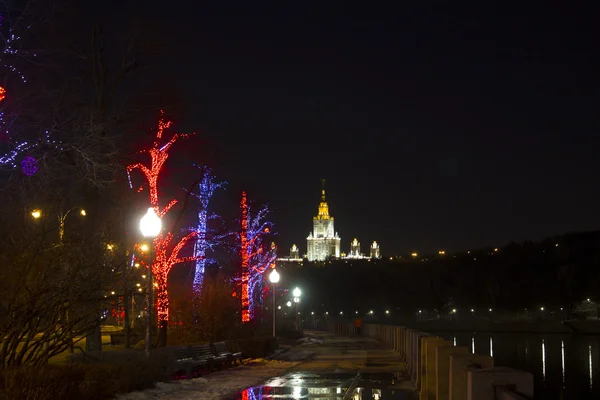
x: 294, y: 252
x: 323, y: 242
x: 375, y: 251
x: 354, y: 249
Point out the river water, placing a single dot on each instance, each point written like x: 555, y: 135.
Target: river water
x: 563, y: 366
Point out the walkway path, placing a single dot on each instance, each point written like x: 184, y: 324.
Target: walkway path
x: 329, y: 366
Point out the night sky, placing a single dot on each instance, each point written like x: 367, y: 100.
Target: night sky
x: 436, y: 126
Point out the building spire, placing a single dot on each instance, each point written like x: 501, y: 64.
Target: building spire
x: 323, y: 190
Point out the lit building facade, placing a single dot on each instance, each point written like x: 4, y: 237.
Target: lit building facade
x: 354, y: 249
x: 323, y: 242
x: 294, y: 252
x: 375, y: 251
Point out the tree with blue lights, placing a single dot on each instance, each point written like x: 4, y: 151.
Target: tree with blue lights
x: 256, y: 254
x: 203, y: 242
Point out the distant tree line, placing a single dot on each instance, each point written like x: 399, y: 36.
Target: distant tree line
x: 556, y: 272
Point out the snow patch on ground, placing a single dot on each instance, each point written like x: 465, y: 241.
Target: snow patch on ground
x: 309, y: 340
x: 218, y: 385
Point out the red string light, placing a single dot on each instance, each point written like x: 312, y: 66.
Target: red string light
x: 245, y: 260
x: 166, y: 253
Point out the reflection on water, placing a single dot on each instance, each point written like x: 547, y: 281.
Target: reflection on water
x: 562, y: 361
x: 591, y: 368
x: 563, y: 366
x: 543, y: 360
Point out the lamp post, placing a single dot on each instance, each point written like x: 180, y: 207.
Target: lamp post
x: 297, y: 293
x: 150, y: 226
x: 274, y: 278
x: 61, y: 222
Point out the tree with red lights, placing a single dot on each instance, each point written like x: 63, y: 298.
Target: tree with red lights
x: 256, y: 256
x: 167, y: 252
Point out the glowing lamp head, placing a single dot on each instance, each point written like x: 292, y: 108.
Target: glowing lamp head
x: 297, y: 292
x: 150, y: 224
x: 36, y: 214
x: 83, y: 213
x: 144, y: 247
x: 274, y: 276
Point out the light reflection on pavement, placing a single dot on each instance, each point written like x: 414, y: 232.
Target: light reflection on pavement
x: 335, y: 386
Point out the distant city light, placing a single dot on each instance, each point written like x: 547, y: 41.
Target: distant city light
x: 454, y: 311
x: 387, y: 311
x: 415, y: 254
x: 442, y: 252
x: 472, y: 310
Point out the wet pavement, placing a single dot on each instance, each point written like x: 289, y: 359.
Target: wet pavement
x: 337, y: 367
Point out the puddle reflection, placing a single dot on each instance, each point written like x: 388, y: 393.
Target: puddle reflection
x: 324, y: 387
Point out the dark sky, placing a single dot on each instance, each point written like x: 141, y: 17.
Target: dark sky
x: 436, y: 125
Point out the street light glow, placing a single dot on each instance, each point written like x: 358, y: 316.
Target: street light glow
x: 274, y: 276
x: 150, y: 224
x: 289, y: 303
x: 82, y: 212
x: 36, y: 214
x: 297, y: 292
x: 144, y: 247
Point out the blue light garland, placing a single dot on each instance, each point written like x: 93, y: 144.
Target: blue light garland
x: 203, y: 244
x: 260, y: 254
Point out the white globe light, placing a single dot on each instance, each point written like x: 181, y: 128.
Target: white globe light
x: 274, y: 276
x: 297, y: 292
x: 150, y: 224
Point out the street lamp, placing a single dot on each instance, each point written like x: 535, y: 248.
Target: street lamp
x: 150, y: 226
x: 36, y: 214
x: 274, y: 278
x: 297, y: 293
x: 61, y: 221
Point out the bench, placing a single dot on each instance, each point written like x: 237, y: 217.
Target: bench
x: 184, y: 360
x: 204, y: 352
x: 220, y: 349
